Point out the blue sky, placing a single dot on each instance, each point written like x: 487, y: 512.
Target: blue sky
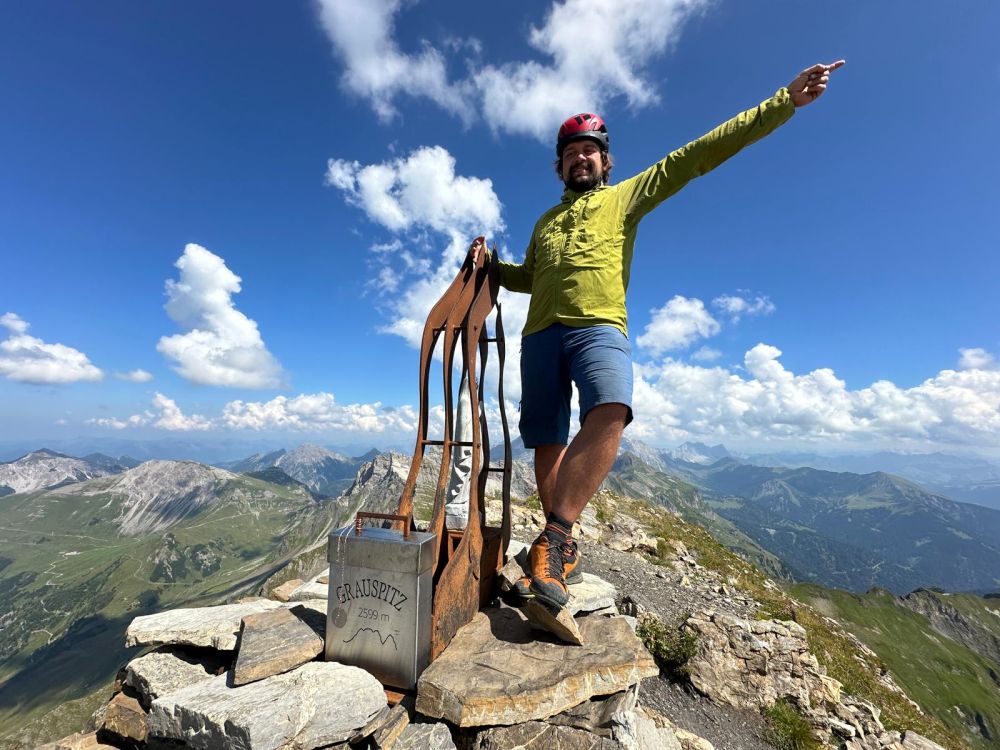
x: 227, y: 220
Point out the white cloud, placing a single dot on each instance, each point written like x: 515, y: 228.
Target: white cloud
x: 375, y: 67
x: 422, y: 196
x: 706, y: 354
x: 221, y: 345
x: 976, y: 359
x: 318, y: 411
x: 167, y: 416
x: 28, y: 359
x: 593, y: 52
x: 736, y: 306
x: 420, y: 190
x: 675, y: 400
x: 135, y: 376
x: 677, y: 325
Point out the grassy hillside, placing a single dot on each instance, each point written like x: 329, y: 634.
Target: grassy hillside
x: 70, y: 583
x: 945, y: 678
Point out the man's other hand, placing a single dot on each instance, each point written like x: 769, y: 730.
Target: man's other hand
x: 477, y: 247
x: 811, y: 83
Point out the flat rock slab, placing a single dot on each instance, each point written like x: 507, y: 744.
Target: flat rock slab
x: 537, y: 735
x: 558, y: 621
x: 591, y: 594
x: 914, y: 741
x: 215, y: 627
x: 278, y: 641
x: 425, y: 737
x: 170, y: 668
x: 498, y: 671
x: 310, y: 590
x: 318, y: 704
x: 285, y: 590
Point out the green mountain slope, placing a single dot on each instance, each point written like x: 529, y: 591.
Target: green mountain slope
x: 856, y: 531
x: 947, y: 679
x: 78, y: 563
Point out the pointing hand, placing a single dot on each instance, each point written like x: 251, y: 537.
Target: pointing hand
x: 811, y: 83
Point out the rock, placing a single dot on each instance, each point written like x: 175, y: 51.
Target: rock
x: 497, y: 671
x: 170, y: 668
x: 636, y: 731
x: 320, y: 703
x: 914, y: 741
x: 509, y: 574
x: 283, y: 592
x: 559, y: 622
x: 277, y: 641
x: 424, y: 737
x: 78, y: 741
x: 690, y: 741
x: 752, y: 664
x: 537, y: 735
x: 591, y: 594
x: 310, y: 590
x: 126, y: 718
x: 596, y: 714
x: 202, y: 626
x: 386, y: 735
x: 324, y: 579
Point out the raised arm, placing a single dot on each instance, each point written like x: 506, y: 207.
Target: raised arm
x: 648, y: 189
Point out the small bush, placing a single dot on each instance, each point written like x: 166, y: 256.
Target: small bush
x: 787, y: 729
x: 671, y: 647
x: 533, y: 502
x: 603, y: 512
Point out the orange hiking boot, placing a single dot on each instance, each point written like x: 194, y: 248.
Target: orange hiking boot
x: 545, y: 562
x: 571, y: 562
x: 522, y: 587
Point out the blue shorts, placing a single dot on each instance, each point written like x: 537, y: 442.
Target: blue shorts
x: 597, y: 358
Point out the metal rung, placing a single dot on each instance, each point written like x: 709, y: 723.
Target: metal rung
x: 493, y: 341
x: 460, y: 443
x: 497, y: 468
x: 432, y: 442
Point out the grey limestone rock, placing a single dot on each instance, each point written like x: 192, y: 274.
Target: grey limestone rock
x: 318, y: 704
x: 497, y: 671
x: 278, y: 641
x: 425, y: 737
x: 537, y: 735
x: 170, y: 668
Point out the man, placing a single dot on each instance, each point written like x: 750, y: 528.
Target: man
x: 576, y: 269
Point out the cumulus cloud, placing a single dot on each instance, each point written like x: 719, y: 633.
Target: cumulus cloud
x: 736, y: 306
x: 706, y: 354
x: 318, y: 411
x: 312, y: 412
x: 676, y: 400
x: 422, y: 198
x: 166, y: 415
x: 976, y: 359
x: 220, y: 345
x: 420, y: 190
x: 677, y: 325
x: 530, y: 96
x: 28, y: 359
x: 135, y: 376
x: 374, y: 66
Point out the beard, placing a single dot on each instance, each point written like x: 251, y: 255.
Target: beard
x: 583, y: 180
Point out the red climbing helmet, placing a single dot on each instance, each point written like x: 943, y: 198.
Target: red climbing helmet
x: 583, y: 125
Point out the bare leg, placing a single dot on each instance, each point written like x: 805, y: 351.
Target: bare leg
x: 547, y: 461
x: 584, y: 465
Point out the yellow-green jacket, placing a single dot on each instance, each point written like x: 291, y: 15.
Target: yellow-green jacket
x: 579, y: 259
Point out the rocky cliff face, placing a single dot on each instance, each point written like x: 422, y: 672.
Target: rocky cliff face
x: 977, y: 628
x: 42, y: 469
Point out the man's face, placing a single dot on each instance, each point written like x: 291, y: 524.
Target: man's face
x: 582, y: 166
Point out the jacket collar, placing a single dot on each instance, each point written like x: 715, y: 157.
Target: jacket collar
x: 570, y: 196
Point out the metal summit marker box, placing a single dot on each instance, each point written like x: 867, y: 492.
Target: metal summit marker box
x: 379, y: 606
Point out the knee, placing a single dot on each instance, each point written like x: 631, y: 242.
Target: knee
x: 610, y: 417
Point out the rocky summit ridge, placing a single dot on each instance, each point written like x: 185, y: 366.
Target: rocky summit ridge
x: 43, y: 468
x: 678, y: 652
